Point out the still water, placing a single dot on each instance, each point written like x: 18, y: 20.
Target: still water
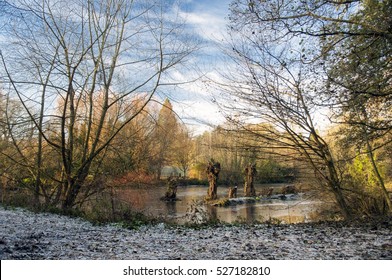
x: 301, y: 209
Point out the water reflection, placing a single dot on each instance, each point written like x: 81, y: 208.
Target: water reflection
x: 289, y: 211
x: 171, y: 208
x: 213, y: 213
x: 250, y: 213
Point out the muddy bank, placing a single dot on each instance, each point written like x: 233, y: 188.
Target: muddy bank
x: 25, y: 235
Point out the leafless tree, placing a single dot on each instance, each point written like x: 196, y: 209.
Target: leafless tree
x: 346, y: 48
x: 80, y: 68
x: 269, y: 84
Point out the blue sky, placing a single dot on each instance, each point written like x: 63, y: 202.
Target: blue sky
x: 207, y: 19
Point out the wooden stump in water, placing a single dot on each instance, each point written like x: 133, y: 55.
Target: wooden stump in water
x: 250, y: 173
x: 233, y: 192
x: 213, y: 169
x: 171, y: 190
x: 290, y: 189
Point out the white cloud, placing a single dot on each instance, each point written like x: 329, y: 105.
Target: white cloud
x: 200, y: 115
x: 209, y: 26
x: 193, y: 101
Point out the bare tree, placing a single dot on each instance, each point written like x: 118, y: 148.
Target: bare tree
x: 183, y: 150
x: 269, y: 84
x: 78, y: 67
x: 346, y: 48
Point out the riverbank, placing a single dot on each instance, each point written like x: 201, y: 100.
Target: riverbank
x: 26, y: 235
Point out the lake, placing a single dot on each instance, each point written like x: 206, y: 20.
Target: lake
x: 301, y: 209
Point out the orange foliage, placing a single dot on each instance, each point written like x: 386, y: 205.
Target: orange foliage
x: 132, y: 179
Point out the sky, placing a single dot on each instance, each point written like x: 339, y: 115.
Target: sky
x: 206, y: 20
x: 193, y: 101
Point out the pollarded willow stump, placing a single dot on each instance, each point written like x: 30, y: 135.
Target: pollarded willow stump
x: 213, y: 169
x: 250, y: 173
x: 233, y: 192
x: 171, y: 190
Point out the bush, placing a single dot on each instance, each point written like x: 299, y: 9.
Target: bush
x: 105, y: 208
x: 133, y: 179
x: 364, y: 193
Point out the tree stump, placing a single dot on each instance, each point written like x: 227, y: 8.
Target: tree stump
x: 289, y: 189
x: 233, y: 192
x: 250, y: 173
x: 213, y: 169
x: 171, y: 190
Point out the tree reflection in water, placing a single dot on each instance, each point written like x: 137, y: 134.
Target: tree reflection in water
x: 289, y: 211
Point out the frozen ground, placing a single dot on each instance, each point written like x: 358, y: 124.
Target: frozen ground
x: 25, y: 235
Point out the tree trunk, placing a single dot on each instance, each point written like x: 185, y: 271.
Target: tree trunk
x: 376, y: 171
x: 171, y: 190
x: 71, y: 194
x: 233, y: 192
x: 334, y: 185
x: 73, y: 189
x: 213, y: 169
x: 250, y: 172
x: 159, y: 172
